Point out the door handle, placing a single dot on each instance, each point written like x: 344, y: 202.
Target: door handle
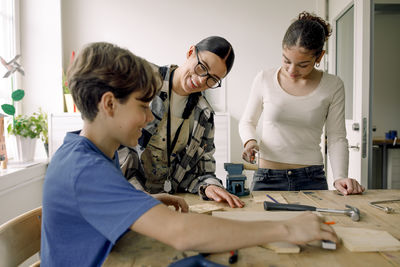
x: 356, y: 147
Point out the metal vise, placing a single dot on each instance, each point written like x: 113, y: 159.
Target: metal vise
x: 235, y: 180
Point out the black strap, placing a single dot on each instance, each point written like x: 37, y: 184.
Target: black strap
x: 170, y: 146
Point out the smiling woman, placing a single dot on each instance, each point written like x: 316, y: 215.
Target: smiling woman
x: 177, y: 147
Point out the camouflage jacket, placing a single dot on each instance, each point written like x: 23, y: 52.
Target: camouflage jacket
x: 192, y: 167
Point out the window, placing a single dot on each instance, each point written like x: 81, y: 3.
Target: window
x: 7, y: 52
x: 7, y: 46
x: 345, y: 56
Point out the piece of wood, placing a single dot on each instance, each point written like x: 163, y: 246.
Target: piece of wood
x: 278, y: 247
x: 392, y: 257
x: 363, y: 239
x: 204, y: 208
x: 261, y: 198
x: 257, y: 215
x: 282, y: 247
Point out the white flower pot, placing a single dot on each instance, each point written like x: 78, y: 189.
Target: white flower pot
x: 25, y: 148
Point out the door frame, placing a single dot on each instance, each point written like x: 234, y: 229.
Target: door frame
x: 362, y: 80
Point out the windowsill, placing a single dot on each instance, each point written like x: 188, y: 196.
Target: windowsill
x: 17, y: 173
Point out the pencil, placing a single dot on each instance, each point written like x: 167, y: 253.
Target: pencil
x: 273, y: 199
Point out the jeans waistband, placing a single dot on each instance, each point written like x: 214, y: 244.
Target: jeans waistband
x: 305, y: 170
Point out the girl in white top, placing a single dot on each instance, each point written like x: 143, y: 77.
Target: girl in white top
x: 298, y: 100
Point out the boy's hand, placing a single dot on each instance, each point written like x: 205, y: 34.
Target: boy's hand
x: 219, y: 194
x: 170, y: 200
x: 308, y: 227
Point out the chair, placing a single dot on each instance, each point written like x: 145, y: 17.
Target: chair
x: 20, y: 238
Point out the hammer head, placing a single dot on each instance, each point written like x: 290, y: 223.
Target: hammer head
x: 353, y: 212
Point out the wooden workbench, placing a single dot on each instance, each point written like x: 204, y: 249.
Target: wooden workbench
x: 137, y: 250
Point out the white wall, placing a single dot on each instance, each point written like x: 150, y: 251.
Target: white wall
x: 40, y: 43
x: 162, y: 31
x: 40, y: 47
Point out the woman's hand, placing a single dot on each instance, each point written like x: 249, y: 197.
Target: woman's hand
x: 348, y: 186
x: 170, y: 200
x: 308, y: 227
x: 249, y: 151
x: 219, y: 194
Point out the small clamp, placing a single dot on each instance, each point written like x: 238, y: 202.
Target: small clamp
x: 385, y: 209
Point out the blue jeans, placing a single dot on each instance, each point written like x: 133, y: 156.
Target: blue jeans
x: 308, y: 178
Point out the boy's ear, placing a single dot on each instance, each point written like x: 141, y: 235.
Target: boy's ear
x: 190, y: 52
x: 107, y: 103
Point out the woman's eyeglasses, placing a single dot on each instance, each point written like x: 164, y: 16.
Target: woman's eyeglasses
x: 201, y: 70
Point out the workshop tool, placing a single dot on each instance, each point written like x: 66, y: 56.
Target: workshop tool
x: 234, y: 256
x: 385, y: 209
x: 235, y: 180
x: 352, y: 212
x: 327, y: 244
x: 197, y: 260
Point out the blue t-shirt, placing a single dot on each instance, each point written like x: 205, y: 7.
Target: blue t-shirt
x: 87, y: 205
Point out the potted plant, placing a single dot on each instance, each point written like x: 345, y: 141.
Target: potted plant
x: 27, y: 129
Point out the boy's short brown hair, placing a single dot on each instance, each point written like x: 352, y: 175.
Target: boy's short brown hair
x: 103, y: 67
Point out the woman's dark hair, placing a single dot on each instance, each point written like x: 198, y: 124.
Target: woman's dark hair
x: 219, y: 46
x: 103, y: 67
x: 309, y: 32
x: 222, y: 48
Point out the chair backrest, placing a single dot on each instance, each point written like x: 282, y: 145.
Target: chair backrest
x: 20, y: 238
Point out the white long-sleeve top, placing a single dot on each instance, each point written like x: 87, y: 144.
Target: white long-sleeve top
x: 292, y: 125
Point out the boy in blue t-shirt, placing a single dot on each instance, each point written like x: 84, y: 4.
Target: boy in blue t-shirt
x: 88, y: 204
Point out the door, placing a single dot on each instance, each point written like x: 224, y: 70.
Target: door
x: 349, y: 58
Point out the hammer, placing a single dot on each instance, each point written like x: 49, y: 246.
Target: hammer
x: 352, y: 212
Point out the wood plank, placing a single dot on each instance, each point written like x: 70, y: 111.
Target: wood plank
x: 363, y: 239
x: 392, y: 257
x: 278, y: 247
x: 282, y: 247
x: 204, y: 208
x: 257, y: 215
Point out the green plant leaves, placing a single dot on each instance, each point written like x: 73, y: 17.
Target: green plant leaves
x: 17, y: 95
x: 8, y: 109
x: 34, y: 126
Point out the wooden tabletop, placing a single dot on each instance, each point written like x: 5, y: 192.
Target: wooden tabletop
x: 137, y: 250
x: 383, y: 141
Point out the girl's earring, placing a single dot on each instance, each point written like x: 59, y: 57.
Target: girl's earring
x: 317, y: 65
